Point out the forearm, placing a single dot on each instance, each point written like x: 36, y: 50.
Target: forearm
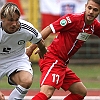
x: 41, y: 47
x: 33, y: 47
x: 46, y: 32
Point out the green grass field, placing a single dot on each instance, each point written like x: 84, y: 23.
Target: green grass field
x: 89, y: 74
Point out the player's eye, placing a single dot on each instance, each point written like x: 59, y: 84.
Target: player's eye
x: 10, y: 19
x: 89, y: 7
x: 95, y: 9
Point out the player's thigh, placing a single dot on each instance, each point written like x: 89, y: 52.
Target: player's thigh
x: 73, y: 83
x: 69, y: 79
x: 21, y: 71
x: 21, y: 77
x: 53, y: 73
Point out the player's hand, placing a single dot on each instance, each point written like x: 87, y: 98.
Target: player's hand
x: 39, y: 53
x: 2, y: 96
x: 30, y: 49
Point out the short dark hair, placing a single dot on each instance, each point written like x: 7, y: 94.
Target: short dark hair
x: 96, y: 1
x: 9, y: 9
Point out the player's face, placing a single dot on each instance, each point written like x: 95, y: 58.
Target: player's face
x: 11, y: 24
x: 92, y: 10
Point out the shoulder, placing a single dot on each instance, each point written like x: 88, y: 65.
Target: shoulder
x: 96, y: 24
x: 26, y: 26
x: 74, y: 19
x: 96, y: 27
x: 76, y: 16
x: 25, y: 23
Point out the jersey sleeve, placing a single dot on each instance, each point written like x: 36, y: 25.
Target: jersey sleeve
x: 62, y: 22
x: 31, y: 32
x: 35, y: 36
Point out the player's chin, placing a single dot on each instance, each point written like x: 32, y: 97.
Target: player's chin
x: 12, y: 31
x: 90, y: 18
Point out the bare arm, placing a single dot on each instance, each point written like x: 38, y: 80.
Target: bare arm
x: 45, y: 33
x: 42, y: 49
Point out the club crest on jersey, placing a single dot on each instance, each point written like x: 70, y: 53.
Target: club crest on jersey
x: 21, y: 42
x: 83, y: 36
x: 63, y: 22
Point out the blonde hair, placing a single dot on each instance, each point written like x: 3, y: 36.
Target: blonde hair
x: 9, y: 9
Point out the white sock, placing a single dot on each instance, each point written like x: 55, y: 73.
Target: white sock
x: 18, y: 93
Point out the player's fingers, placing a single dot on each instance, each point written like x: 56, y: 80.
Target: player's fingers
x: 37, y: 52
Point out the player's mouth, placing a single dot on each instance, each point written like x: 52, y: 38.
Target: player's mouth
x: 90, y: 17
x: 12, y: 29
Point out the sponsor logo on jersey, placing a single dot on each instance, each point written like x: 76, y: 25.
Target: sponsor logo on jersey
x: 63, y: 22
x: 21, y: 42
x: 83, y: 36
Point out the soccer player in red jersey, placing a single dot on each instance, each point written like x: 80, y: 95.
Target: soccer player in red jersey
x: 73, y: 30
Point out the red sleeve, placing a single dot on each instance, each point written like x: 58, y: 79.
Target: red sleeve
x: 65, y: 21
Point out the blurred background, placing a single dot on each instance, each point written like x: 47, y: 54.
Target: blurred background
x: 86, y: 62
x: 43, y: 12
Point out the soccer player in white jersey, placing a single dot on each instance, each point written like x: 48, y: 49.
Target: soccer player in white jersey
x: 14, y: 63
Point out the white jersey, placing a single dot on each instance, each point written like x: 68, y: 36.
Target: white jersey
x: 13, y: 45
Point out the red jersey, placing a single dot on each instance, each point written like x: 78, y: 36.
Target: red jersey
x: 73, y: 32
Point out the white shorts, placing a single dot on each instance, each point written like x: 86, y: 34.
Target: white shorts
x: 17, y: 64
